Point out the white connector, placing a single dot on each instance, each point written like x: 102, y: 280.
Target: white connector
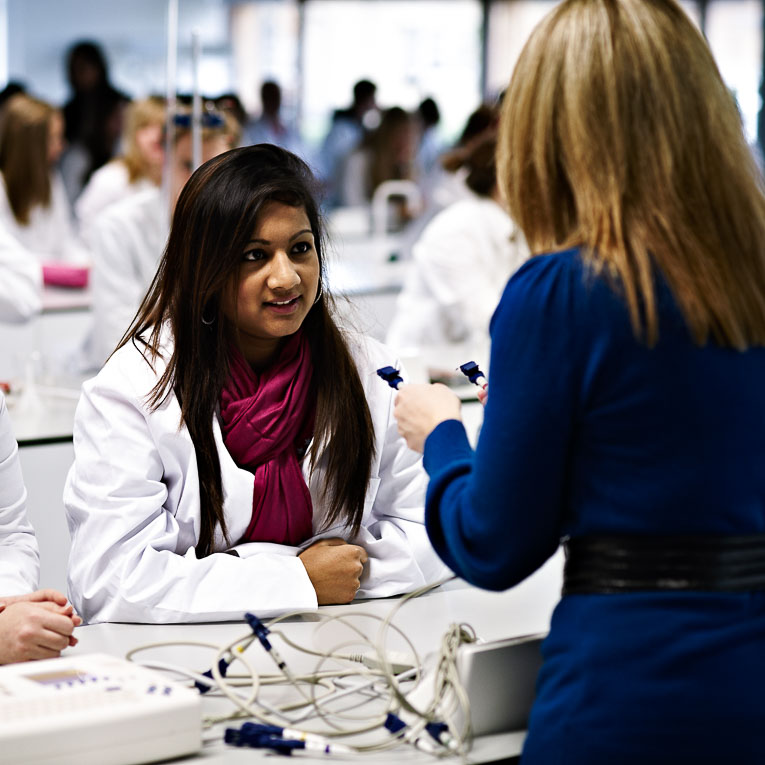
x: 398, y: 661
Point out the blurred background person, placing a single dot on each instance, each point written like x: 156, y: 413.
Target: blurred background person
x: 388, y: 153
x: 93, y: 116
x: 430, y: 145
x: 229, y: 104
x: 269, y: 127
x: 33, y: 206
x: 128, y: 238
x: 462, y: 262
x: 139, y: 166
x: 21, y: 280
x: 349, y: 128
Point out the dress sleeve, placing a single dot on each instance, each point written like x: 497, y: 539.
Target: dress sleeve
x: 19, y: 556
x: 132, y: 502
x: 495, y: 515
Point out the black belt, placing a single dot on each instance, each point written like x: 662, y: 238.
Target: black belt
x: 621, y: 563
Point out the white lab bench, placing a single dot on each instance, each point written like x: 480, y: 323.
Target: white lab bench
x: 523, y: 610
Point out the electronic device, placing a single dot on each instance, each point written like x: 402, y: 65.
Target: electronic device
x: 500, y: 679
x: 94, y: 709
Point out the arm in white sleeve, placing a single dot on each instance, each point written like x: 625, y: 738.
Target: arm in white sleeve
x: 401, y: 558
x: 465, y: 257
x: 19, y: 556
x: 117, y: 289
x: 132, y: 501
x: 20, y: 280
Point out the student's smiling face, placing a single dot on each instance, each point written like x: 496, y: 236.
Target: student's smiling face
x: 277, y: 281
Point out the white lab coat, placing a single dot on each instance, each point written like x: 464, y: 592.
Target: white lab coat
x: 132, y: 503
x: 462, y: 262
x: 126, y: 243
x: 19, y: 555
x: 50, y: 235
x: 109, y: 185
x: 20, y: 281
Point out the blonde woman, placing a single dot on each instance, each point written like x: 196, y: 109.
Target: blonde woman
x: 139, y: 167
x: 34, y: 210
x: 626, y: 413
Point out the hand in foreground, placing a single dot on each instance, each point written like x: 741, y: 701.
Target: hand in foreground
x: 36, y: 630
x: 334, y: 568
x: 38, y: 596
x: 483, y: 395
x: 419, y: 408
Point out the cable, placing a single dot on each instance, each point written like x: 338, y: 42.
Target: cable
x: 355, y: 687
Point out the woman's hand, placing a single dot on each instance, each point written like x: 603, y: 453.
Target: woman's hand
x: 334, y: 568
x: 419, y: 408
x: 38, y: 596
x: 36, y: 630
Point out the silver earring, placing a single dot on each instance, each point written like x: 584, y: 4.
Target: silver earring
x: 207, y: 322
x: 318, y: 294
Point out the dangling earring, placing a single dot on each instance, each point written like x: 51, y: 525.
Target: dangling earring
x: 318, y: 294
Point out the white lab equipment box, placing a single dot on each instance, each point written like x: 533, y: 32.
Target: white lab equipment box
x: 94, y: 710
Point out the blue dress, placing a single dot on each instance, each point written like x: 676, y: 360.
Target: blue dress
x: 587, y: 431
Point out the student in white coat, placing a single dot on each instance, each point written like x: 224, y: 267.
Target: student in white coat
x: 34, y: 624
x: 238, y: 452
x: 138, y: 168
x: 462, y: 262
x: 20, y: 282
x: 127, y: 240
x: 34, y: 209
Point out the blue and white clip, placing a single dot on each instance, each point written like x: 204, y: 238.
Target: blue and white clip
x: 391, y: 376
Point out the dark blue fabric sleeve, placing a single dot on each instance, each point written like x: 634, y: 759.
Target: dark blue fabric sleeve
x: 495, y: 516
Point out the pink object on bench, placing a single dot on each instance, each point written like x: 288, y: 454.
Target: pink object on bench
x: 65, y: 275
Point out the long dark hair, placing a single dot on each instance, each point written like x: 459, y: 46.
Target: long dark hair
x: 214, y: 219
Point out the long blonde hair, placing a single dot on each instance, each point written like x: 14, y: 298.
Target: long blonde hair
x: 24, y: 136
x: 619, y: 136
x: 140, y: 114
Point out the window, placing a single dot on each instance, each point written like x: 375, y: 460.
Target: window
x: 409, y: 49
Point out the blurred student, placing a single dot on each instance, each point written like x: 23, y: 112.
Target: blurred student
x: 429, y: 148
x: 348, y: 129
x: 269, y: 127
x: 462, y: 262
x: 138, y: 168
x: 625, y: 414
x: 127, y: 240
x: 93, y: 116
x: 387, y: 153
x: 445, y: 183
x: 34, y: 624
x: 33, y: 206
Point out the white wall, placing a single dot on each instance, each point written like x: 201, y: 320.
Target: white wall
x: 132, y: 34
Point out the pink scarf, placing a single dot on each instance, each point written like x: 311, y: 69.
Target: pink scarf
x: 267, y: 417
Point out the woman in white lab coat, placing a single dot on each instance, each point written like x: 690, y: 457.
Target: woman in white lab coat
x: 138, y: 168
x: 237, y: 452
x: 126, y: 240
x: 34, y: 624
x: 462, y: 262
x: 34, y: 209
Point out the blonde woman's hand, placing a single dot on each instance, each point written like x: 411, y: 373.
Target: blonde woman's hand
x: 419, y: 408
x: 334, y: 568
